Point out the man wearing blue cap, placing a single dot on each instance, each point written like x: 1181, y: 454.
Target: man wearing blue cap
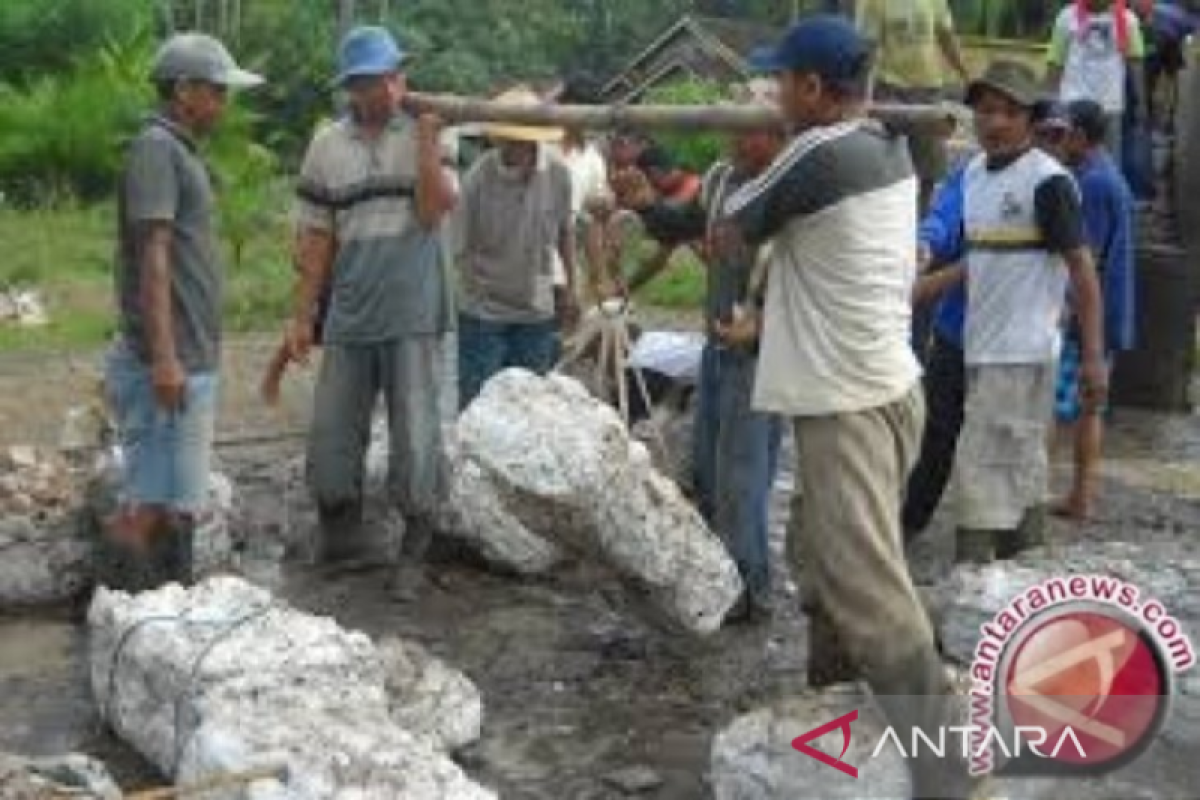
x: 371, y: 198
x: 838, y: 212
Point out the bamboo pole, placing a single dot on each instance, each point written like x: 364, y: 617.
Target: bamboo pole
x: 217, y: 783
x: 457, y: 110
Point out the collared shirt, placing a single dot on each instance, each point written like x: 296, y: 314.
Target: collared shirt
x: 512, y: 226
x: 166, y: 181
x: 389, y: 278
x: 839, y: 207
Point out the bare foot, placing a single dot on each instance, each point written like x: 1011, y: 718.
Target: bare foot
x: 1073, y: 507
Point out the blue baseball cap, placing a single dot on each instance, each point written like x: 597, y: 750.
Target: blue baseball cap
x: 827, y: 45
x: 368, y: 50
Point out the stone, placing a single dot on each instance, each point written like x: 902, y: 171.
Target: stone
x: 42, y: 562
x: 75, y: 776
x: 565, y: 467
x: 753, y: 758
x: 429, y: 698
x: 634, y: 780
x: 223, y: 678
x: 478, y: 517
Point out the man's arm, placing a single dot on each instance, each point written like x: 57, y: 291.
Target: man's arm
x: 932, y: 286
x: 315, y: 251
x: 154, y: 260
x: 435, y: 192
x: 1089, y: 311
x: 1060, y: 219
x: 152, y: 201
x: 651, y: 268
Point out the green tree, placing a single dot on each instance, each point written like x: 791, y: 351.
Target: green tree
x: 695, y: 152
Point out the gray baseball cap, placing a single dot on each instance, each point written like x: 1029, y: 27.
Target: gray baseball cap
x: 199, y: 57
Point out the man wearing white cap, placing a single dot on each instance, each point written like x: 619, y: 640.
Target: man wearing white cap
x: 372, y: 197
x: 517, y: 218
x: 162, y: 371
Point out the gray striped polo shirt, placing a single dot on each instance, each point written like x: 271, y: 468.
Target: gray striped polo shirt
x: 389, y: 276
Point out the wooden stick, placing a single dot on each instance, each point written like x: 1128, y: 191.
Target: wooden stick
x: 457, y: 110
x: 230, y: 781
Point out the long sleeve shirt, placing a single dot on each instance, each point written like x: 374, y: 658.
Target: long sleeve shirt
x: 941, y: 232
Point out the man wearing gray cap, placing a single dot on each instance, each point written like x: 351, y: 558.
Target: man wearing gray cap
x: 372, y: 196
x: 162, y: 370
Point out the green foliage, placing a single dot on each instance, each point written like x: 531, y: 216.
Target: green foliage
x: 63, y: 133
x: 692, y: 151
x: 680, y: 286
x: 247, y: 184
x: 44, y: 37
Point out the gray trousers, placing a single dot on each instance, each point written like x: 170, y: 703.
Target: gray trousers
x: 352, y: 379
x: 852, y: 471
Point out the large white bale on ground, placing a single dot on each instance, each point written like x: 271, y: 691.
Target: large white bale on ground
x: 564, y: 468
x: 224, y: 678
x: 1168, y: 572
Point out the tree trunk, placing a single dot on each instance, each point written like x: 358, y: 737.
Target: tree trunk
x: 460, y: 110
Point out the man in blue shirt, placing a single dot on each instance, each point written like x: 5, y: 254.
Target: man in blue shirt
x: 941, y: 243
x: 1075, y: 134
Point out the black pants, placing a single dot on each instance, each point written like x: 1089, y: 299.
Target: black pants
x: 945, y: 396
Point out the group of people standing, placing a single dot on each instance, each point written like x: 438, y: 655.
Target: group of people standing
x: 816, y: 253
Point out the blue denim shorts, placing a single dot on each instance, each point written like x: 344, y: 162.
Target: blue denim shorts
x: 167, y: 454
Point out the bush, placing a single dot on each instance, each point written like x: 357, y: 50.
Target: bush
x: 64, y: 134
x: 695, y: 152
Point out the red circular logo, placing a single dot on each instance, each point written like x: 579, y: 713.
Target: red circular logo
x: 1094, y: 683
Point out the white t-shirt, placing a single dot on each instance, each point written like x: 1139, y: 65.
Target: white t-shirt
x: 1091, y: 59
x: 1016, y: 287
x: 839, y: 208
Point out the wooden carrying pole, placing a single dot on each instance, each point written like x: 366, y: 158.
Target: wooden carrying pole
x: 939, y: 120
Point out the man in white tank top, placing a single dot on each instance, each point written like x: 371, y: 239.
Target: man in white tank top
x: 1024, y: 242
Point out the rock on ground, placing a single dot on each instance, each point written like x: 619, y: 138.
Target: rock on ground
x: 45, y: 556
x: 224, y: 678
x: 73, y: 776
x: 426, y: 692
x: 564, y: 469
x: 753, y: 758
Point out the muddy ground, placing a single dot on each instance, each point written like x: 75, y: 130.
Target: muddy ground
x: 576, y: 687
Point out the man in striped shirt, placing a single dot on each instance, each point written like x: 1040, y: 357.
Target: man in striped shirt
x: 372, y: 196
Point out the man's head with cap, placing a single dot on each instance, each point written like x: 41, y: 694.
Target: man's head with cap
x: 1071, y: 132
x: 1004, y: 100
x: 823, y: 65
x: 370, y: 70
x: 1051, y: 128
x: 193, y: 73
